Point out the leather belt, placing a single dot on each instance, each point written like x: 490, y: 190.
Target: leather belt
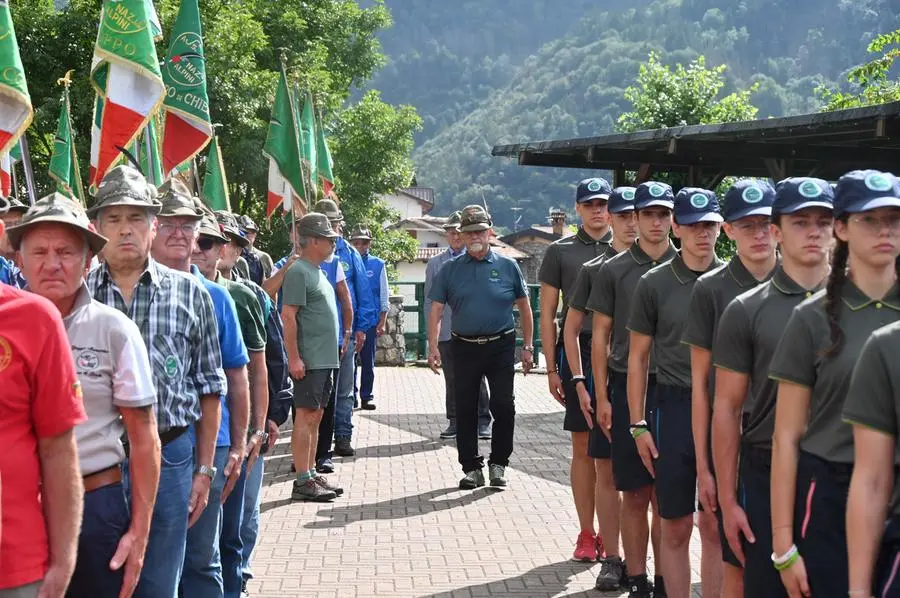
x: 104, y: 477
x: 481, y: 340
x: 171, y: 434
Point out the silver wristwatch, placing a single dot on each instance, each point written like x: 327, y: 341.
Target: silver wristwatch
x: 206, y: 470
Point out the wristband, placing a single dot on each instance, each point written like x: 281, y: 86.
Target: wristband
x: 579, y: 378
x: 640, y: 424
x: 787, y: 559
x: 553, y: 371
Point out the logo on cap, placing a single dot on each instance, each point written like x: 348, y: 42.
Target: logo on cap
x: 699, y: 201
x: 810, y: 189
x: 878, y: 182
x: 656, y: 190
x: 752, y: 195
x: 594, y: 186
x: 628, y: 194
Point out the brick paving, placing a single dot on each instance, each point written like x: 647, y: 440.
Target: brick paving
x: 404, y: 530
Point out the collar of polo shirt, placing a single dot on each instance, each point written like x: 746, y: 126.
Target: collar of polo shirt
x: 855, y: 299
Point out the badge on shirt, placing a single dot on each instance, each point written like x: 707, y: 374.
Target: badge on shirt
x: 171, y: 366
x: 76, y: 388
x: 495, y: 276
x: 87, y: 361
x: 345, y: 266
x: 5, y: 354
x: 369, y: 273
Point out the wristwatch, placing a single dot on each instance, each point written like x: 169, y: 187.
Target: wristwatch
x: 529, y: 348
x: 256, y: 433
x: 206, y: 470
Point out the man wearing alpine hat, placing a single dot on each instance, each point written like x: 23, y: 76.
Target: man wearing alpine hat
x: 55, y: 242
x: 482, y: 287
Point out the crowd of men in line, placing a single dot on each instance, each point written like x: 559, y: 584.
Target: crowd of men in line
x: 147, y: 360
x: 765, y: 387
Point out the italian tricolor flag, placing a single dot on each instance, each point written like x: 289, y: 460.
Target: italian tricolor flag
x: 126, y: 76
x: 7, y: 163
x: 15, y: 102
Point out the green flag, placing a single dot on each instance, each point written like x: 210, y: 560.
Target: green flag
x: 308, y: 145
x: 187, y: 124
x: 323, y: 156
x: 64, y: 161
x: 215, y: 185
x: 151, y: 163
x: 15, y: 102
x: 282, y: 148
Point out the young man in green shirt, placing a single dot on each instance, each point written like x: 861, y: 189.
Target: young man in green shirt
x: 311, y: 338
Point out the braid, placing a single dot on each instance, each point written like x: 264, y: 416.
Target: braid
x: 833, y: 289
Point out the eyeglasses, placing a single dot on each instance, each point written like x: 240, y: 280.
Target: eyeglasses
x: 875, y: 224
x: 186, y: 229
x: 205, y: 243
x: 753, y: 227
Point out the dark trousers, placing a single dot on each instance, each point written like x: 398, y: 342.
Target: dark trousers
x: 496, y: 362
x: 231, y: 546
x: 326, y: 427
x: 484, y: 407
x: 367, y: 365
x: 106, y: 519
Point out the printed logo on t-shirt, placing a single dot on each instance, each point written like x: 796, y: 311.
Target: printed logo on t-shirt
x: 5, y: 354
x: 495, y: 276
x: 87, y: 361
x: 171, y: 366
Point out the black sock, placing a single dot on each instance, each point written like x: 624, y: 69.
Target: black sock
x: 659, y: 585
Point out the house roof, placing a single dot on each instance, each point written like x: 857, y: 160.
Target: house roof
x: 424, y: 223
x: 542, y: 232
x: 423, y: 254
x: 825, y: 144
x: 423, y: 195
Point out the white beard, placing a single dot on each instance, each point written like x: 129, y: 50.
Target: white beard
x: 476, y: 247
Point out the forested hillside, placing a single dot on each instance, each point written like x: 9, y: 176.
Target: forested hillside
x: 504, y: 71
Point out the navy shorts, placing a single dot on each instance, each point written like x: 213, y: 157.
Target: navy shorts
x: 887, y: 581
x: 628, y: 470
x: 574, y: 419
x: 820, y: 530
x: 676, y: 467
x: 754, y: 494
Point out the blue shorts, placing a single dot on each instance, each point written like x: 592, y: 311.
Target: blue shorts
x: 628, y: 470
x: 676, y: 466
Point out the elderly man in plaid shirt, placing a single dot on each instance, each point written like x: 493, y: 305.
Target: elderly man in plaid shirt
x: 177, y: 320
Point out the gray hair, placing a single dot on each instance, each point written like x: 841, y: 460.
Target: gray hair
x: 303, y: 241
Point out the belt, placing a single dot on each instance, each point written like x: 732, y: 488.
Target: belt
x: 104, y: 477
x: 481, y: 340
x: 171, y: 434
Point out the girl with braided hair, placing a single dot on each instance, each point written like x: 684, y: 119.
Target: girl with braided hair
x: 812, y: 458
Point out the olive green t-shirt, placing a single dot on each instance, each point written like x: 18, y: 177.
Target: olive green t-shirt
x: 748, y: 334
x: 249, y: 311
x: 611, y: 293
x: 581, y: 290
x: 659, y: 309
x: 563, y: 260
x: 306, y: 286
x: 800, y: 359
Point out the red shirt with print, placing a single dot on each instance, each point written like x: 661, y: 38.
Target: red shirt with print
x: 40, y: 398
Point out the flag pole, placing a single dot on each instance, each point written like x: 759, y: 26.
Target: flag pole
x: 26, y: 164
x: 15, y: 183
x: 66, y: 81
x: 151, y: 176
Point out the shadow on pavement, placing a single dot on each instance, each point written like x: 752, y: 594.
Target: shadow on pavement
x: 398, y: 508
x: 540, y: 582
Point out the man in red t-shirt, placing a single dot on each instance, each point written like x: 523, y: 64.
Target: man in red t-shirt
x: 40, y: 405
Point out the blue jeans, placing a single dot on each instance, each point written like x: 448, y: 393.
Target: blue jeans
x: 164, y: 560
x: 202, y: 575
x: 230, y: 543
x: 343, y: 402
x: 106, y: 519
x: 250, y: 521
x: 367, y: 365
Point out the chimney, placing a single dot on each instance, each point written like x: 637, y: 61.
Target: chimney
x: 558, y: 221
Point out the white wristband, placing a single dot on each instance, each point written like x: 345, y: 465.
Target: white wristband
x: 780, y: 560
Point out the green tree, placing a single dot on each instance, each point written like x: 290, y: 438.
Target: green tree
x: 870, y: 82
x: 665, y: 97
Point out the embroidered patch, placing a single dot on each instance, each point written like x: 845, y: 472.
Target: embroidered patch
x: 628, y: 194
x: 171, y: 366
x: 594, y: 185
x: 657, y: 190
x: 699, y: 201
x: 810, y: 189
x: 752, y: 195
x: 878, y: 182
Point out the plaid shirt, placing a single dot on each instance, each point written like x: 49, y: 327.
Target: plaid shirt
x: 177, y: 321
x: 10, y: 274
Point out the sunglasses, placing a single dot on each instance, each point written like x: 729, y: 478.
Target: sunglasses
x: 205, y: 243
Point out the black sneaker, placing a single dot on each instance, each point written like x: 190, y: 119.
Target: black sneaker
x: 324, y: 483
x: 368, y: 405
x: 610, y: 577
x: 311, y: 491
x: 342, y: 447
x: 450, y: 432
x: 325, y: 466
x: 640, y: 587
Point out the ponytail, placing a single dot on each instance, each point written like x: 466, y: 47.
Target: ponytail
x: 833, y: 289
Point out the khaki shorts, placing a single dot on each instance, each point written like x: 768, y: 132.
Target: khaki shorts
x: 314, y: 390
x: 29, y: 591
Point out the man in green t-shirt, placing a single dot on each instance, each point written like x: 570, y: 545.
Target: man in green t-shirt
x: 311, y: 338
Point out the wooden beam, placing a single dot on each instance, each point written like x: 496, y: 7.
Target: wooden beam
x: 714, y: 181
x: 673, y: 146
x: 693, y: 177
x: 619, y: 177
x: 775, y: 168
x: 881, y: 127
x: 643, y: 173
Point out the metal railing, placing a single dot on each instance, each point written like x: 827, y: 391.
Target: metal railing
x: 414, y: 303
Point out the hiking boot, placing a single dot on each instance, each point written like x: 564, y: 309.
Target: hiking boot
x: 450, y: 432
x: 497, y: 473
x: 311, y: 491
x: 484, y: 431
x: 326, y: 465
x: 342, y: 447
x: 368, y: 405
x: 610, y: 577
x: 585, y: 548
x: 474, y: 479
x: 322, y: 481
x: 639, y: 587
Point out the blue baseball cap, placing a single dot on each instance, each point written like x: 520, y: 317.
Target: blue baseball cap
x: 863, y: 190
x: 653, y: 193
x: 748, y: 197
x: 621, y: 200
x: 590, y: 189
x: 798, y: 193
x: 693, y: 205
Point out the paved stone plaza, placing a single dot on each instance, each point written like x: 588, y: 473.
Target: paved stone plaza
x: 404, y: 530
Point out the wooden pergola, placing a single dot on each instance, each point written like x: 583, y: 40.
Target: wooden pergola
x: 825, y: 145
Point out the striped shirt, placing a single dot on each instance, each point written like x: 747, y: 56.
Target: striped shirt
x: 10, y: 274
x: 177, y: 320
